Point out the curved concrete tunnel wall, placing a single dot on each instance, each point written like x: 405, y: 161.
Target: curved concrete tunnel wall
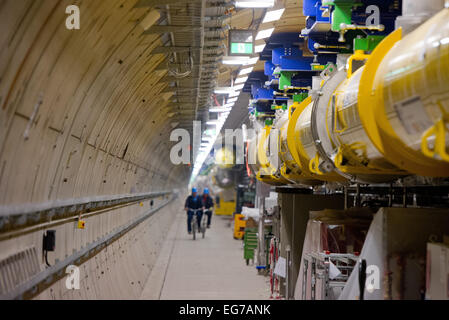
x: 121, y: 270
x: 82, y: 115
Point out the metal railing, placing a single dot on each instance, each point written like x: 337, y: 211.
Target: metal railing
x: 14, y: 218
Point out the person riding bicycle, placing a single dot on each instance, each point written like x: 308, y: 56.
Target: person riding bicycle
x: 193, y: 202
x: 208, y: 204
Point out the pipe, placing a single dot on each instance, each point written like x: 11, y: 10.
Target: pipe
x: 290, y: 170
x: 406, y: 83
x: 387, y: 120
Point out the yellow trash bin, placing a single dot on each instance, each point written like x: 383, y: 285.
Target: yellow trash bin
x: 239, y: 226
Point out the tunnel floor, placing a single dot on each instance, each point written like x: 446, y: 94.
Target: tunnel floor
x: 205, y: 269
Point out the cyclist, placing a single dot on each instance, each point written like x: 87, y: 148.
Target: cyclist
x: 193, y: 202
x: 208, y: 204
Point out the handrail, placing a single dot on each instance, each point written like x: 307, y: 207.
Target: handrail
x: 16, y: 217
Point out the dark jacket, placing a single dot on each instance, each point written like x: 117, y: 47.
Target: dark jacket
x: 194, y: 203
x: 207, y: 201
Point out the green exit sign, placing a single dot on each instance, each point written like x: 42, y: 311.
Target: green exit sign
x: 241, y: 48
x: 241, y: 42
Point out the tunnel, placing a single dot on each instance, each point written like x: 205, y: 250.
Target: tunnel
x: 305, y: 143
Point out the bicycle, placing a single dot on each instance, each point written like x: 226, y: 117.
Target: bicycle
x: 211, y: 212
x: 194, y: 222
x: 203, y: 224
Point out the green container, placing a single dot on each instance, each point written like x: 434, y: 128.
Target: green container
x: 250, y: 244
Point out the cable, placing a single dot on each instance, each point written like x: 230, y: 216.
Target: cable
x: 252, y: 21
x: 216, y: 101
x: 46, y: 258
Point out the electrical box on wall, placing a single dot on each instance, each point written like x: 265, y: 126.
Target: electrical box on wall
x: 49, y: 240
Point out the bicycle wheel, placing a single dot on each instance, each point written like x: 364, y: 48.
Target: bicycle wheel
x: 194, y: 228
x: 203, y: 226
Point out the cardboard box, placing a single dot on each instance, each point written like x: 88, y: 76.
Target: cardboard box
x: 251, y: 223
x: 437, y: 273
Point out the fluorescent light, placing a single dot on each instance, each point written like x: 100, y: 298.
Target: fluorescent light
x: 219, y: 110
x: 223, y: 90
x: 273, y: 15
x: 245, y: 71
x: 254, y: 4
x: 259, y: 48
x: 234, y: 94
x: 444, y: 41
x: 235, y: 60
x: 251, y: 61
x: 245, y: 61
x: 241, y: 80
x: 229, y: 105
x: 230, y: 90
x: 264, y: 34
x: 233, y: 100
x: 235, y: 63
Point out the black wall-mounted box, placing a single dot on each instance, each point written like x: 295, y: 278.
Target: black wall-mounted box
x: 49, y: 240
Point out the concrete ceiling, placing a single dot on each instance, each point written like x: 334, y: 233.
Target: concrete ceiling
x: 82, y: 112
x: 90, y: 111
